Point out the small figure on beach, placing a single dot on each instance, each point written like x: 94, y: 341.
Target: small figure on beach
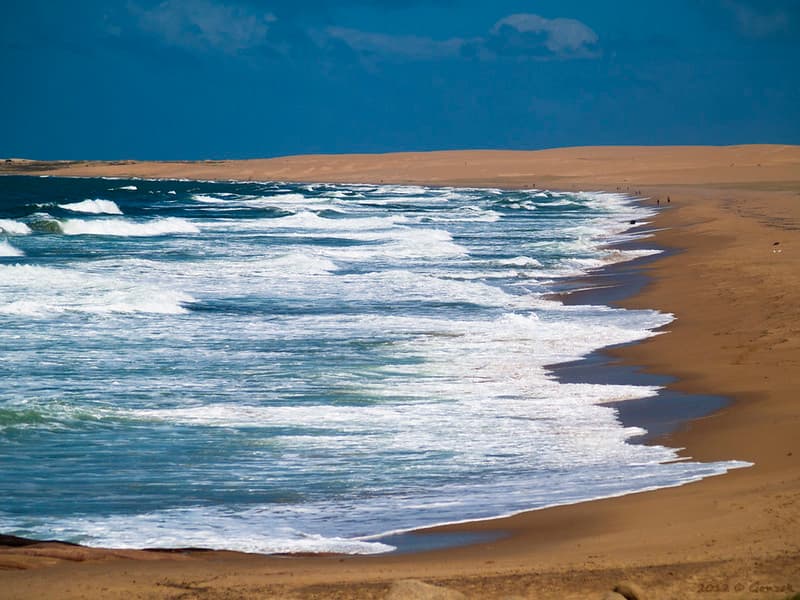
x: 668, y: 200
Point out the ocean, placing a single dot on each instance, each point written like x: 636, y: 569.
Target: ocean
x: 278, y: 367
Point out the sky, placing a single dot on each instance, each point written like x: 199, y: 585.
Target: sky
x: 204, y: 79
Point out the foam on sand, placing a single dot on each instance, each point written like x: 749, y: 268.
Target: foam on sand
x: 199, y: 527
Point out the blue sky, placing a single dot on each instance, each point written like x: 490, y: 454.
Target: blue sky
x: 194, y: 79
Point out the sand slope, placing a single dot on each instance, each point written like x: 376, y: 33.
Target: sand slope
x: 601, y: 166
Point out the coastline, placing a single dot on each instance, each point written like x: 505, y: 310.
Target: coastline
x: 736, y: 336
x: 612, y: 285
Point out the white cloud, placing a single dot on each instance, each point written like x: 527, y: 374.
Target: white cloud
x: 203, y: 24
x: 756, y: 23
x: 538, y: 38
x: 405, y: 46
x: 564, y: 37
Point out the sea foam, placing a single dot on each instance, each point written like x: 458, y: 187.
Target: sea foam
x: 7, y: 250
x: 126, y: 228
x: 97, y: 207
x: 11, y: 227
x: 37, y: 291
x: 370, y: 359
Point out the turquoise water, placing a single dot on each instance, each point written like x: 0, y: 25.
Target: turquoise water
x: 276, y: 367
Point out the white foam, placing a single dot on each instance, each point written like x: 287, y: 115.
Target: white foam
x: 299, y: 262
x: 206, y: 199
x: 520, y: 261
x: 434, y: 411
x: 310, y: 220
x: 570, y: 267
x: 97, y: 207
x: 131, y: 188
x: 561, y: 202
x: 288, y: 202
x: 396, y: 244
x: 464, y: 214
x: 401, y: 190
x: 410, y: 286
x: 7, y: 250
x: 10, y: 227
x: 36, y: 291
x: 614, y: 255
x: 126, y: 228
x: 286, y: 198
x: 198, y: 527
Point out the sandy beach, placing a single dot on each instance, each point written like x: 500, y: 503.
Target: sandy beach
x: 732, y: 215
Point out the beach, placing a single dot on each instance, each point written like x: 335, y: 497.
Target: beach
x: 732, y: 217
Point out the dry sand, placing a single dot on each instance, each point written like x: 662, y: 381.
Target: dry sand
x: 735, y: 293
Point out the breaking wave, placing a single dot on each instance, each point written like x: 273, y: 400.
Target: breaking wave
x: 97, y: 207
x: 126, y: 228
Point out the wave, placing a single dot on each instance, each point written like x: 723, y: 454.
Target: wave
x: 520, y: 261
x: 402, y: 190
x: 286, y: 198
x: 310, y: 220
x: 36, y: 291
x: 123, y: 302
x: 252, y: 201
x: 201, y: 527
x: 131, y: 188
x: 407, y: 286
x: 559, y: 203
x: 300, y: 263
x: 307, y: 220
x: 97, y: 207
x: 396, y: 243
x: 464, y: 214
x: 50, y: 415
x: 571, y: 266
x: 125, y: 228
x: 10, y: 227
x: 205, y: 199
x: 7, y: 250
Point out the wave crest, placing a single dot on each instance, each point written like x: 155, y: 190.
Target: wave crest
x: 125, y: 228
x: 97, y: 207
x: 8, y: 250
x: 36, y: 291
x: 11, y: 227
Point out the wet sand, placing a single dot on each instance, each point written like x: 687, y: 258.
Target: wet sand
x: 733, y: 281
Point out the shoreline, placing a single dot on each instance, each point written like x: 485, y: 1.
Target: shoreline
x: 593, y: 368
x: 736, y: 336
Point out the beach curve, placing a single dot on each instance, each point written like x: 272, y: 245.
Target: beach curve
x: 736, y: 335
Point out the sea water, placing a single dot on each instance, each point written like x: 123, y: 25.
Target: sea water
x: 279, y: 367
